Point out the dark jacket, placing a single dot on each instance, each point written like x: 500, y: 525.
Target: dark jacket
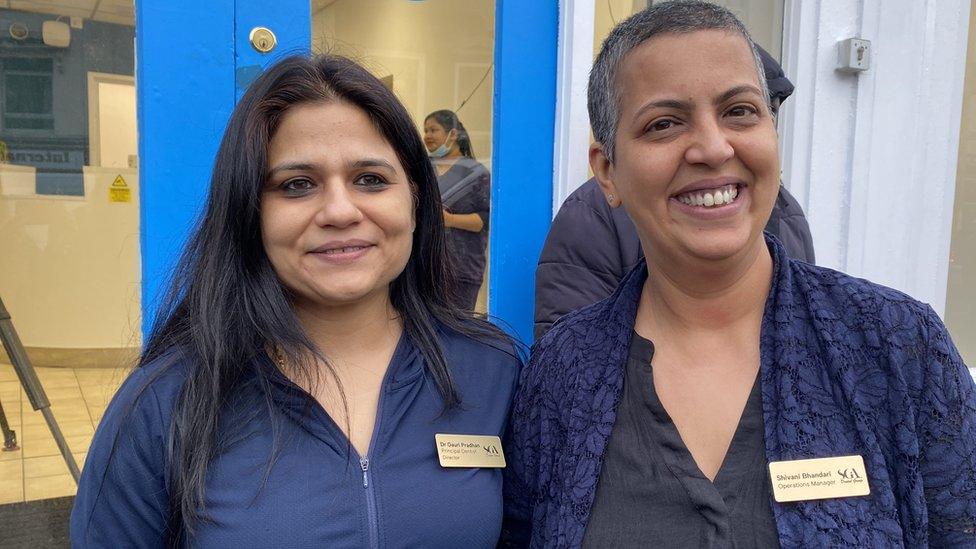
x: 316, y: 491
x: 466, y: 189
x: 847, y: 368
x: 591, y: 246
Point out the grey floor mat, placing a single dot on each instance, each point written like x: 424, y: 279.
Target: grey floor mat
x: 35, y: 524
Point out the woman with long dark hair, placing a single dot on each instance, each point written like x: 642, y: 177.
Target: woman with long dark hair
x: 465, y: 187
x: 309, y: 352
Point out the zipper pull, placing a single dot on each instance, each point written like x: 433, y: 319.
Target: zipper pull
x: 364, y: 463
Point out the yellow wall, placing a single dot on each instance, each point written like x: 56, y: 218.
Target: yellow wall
x: 961, y: 292
x: 69, y: 266
x: 436, y: 50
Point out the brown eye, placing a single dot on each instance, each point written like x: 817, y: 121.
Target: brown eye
x: 297, y: 187
x: 371, y: 182
x: 661, y: 125
x: 740, y: 111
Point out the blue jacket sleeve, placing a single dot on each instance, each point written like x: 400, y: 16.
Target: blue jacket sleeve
x: 947, y: 439
x: 122, y: 499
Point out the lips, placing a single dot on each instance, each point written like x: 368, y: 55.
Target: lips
x: 710, y: 193
x: 342, y: 252
x: 710, y: 198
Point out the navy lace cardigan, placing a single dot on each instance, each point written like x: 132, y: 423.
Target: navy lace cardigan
x: 847, y: 367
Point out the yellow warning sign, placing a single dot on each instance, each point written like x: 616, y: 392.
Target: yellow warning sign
x: 119, y: 191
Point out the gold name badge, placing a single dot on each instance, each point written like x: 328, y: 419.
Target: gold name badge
x: 821, y: 478
x: 469, y: 451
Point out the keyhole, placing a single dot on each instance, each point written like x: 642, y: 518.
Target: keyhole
x: 860, y: 54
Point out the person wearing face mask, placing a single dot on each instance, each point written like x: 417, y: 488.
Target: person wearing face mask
x: 465, y: 187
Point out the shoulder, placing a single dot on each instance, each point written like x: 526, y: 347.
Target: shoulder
x: 164, y: 377
x: 901, y: 338
x: 588, y: 197
x: 833, y: 292
x: 555, y: 357
x: 497, y: 359
x: 146, y: 399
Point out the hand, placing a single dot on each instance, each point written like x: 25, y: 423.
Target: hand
x: 448, y: 219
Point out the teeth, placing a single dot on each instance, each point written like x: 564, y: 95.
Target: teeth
x: 343, y: 250
x: 718, y: 197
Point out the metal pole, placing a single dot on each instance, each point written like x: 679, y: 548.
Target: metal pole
x: 9, y: 436
x: 32, y: 385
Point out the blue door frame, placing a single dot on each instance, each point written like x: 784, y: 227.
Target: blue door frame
x: 193, y: 61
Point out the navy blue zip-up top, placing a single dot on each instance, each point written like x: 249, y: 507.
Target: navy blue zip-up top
x: 318, y: 492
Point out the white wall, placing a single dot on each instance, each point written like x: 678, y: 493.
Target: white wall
x: 117, y: 124
x: 872, y: 157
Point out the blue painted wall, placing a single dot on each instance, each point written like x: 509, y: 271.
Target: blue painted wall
x: 526, y: 36
x: 187, y: 59
x: 194, y: 60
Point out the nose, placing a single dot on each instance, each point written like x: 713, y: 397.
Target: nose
x: 338, y: 207
x: 710, y: 145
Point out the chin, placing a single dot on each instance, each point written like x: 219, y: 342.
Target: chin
x: 720, y: 245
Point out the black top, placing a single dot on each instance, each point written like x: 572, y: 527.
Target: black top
x: 466, y: 189
x: 651, y: 492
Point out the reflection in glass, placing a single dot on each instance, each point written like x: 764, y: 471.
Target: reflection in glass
x: 465, y: 189
x: 69, y: 223
x: 435, y: 55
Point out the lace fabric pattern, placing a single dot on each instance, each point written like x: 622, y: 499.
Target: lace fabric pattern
x: 847, y: 367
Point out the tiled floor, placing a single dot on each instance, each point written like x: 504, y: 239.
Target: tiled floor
x: 78, y: 398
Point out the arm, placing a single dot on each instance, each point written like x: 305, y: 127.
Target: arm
x: 580, y: 263
x: 523, y: 453
x: 122, y: 499
x: 476, y: 205
x: 947, y: 441
x: 466, y: 222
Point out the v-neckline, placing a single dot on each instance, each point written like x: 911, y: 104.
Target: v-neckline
x: 673, y: 450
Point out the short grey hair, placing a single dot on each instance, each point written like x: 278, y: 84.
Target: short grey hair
x: 676, y: 17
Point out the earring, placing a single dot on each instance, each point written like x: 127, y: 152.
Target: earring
x: 610, y: 199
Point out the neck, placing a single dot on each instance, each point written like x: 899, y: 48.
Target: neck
x: 693, y: 296
x: 344, y: 331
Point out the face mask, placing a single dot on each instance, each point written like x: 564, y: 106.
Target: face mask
x: 441, y: 151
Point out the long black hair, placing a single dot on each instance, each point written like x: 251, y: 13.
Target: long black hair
x: 226, y: 306
x: 450, y: 121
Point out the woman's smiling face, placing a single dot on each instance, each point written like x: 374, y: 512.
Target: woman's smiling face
x: 337, y: 211
x: 696, y: 163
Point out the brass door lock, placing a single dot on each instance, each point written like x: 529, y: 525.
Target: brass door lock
x: 263, y: 39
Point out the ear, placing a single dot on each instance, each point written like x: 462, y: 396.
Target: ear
x: 603, y: 170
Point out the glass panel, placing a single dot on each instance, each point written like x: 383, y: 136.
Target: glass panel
x: 435, y: 55
x: 69, y: 226
x: 961, y: 292
x: 763, y: 18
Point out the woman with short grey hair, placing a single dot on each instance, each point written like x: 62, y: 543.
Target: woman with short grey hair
x: 726, y: 395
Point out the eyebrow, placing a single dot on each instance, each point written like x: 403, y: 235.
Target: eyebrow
x: 686, y: 106
x: 305, y: 166
x: 729, y: 94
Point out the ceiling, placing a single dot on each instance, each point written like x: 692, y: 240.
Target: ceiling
x: 110, y: 11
